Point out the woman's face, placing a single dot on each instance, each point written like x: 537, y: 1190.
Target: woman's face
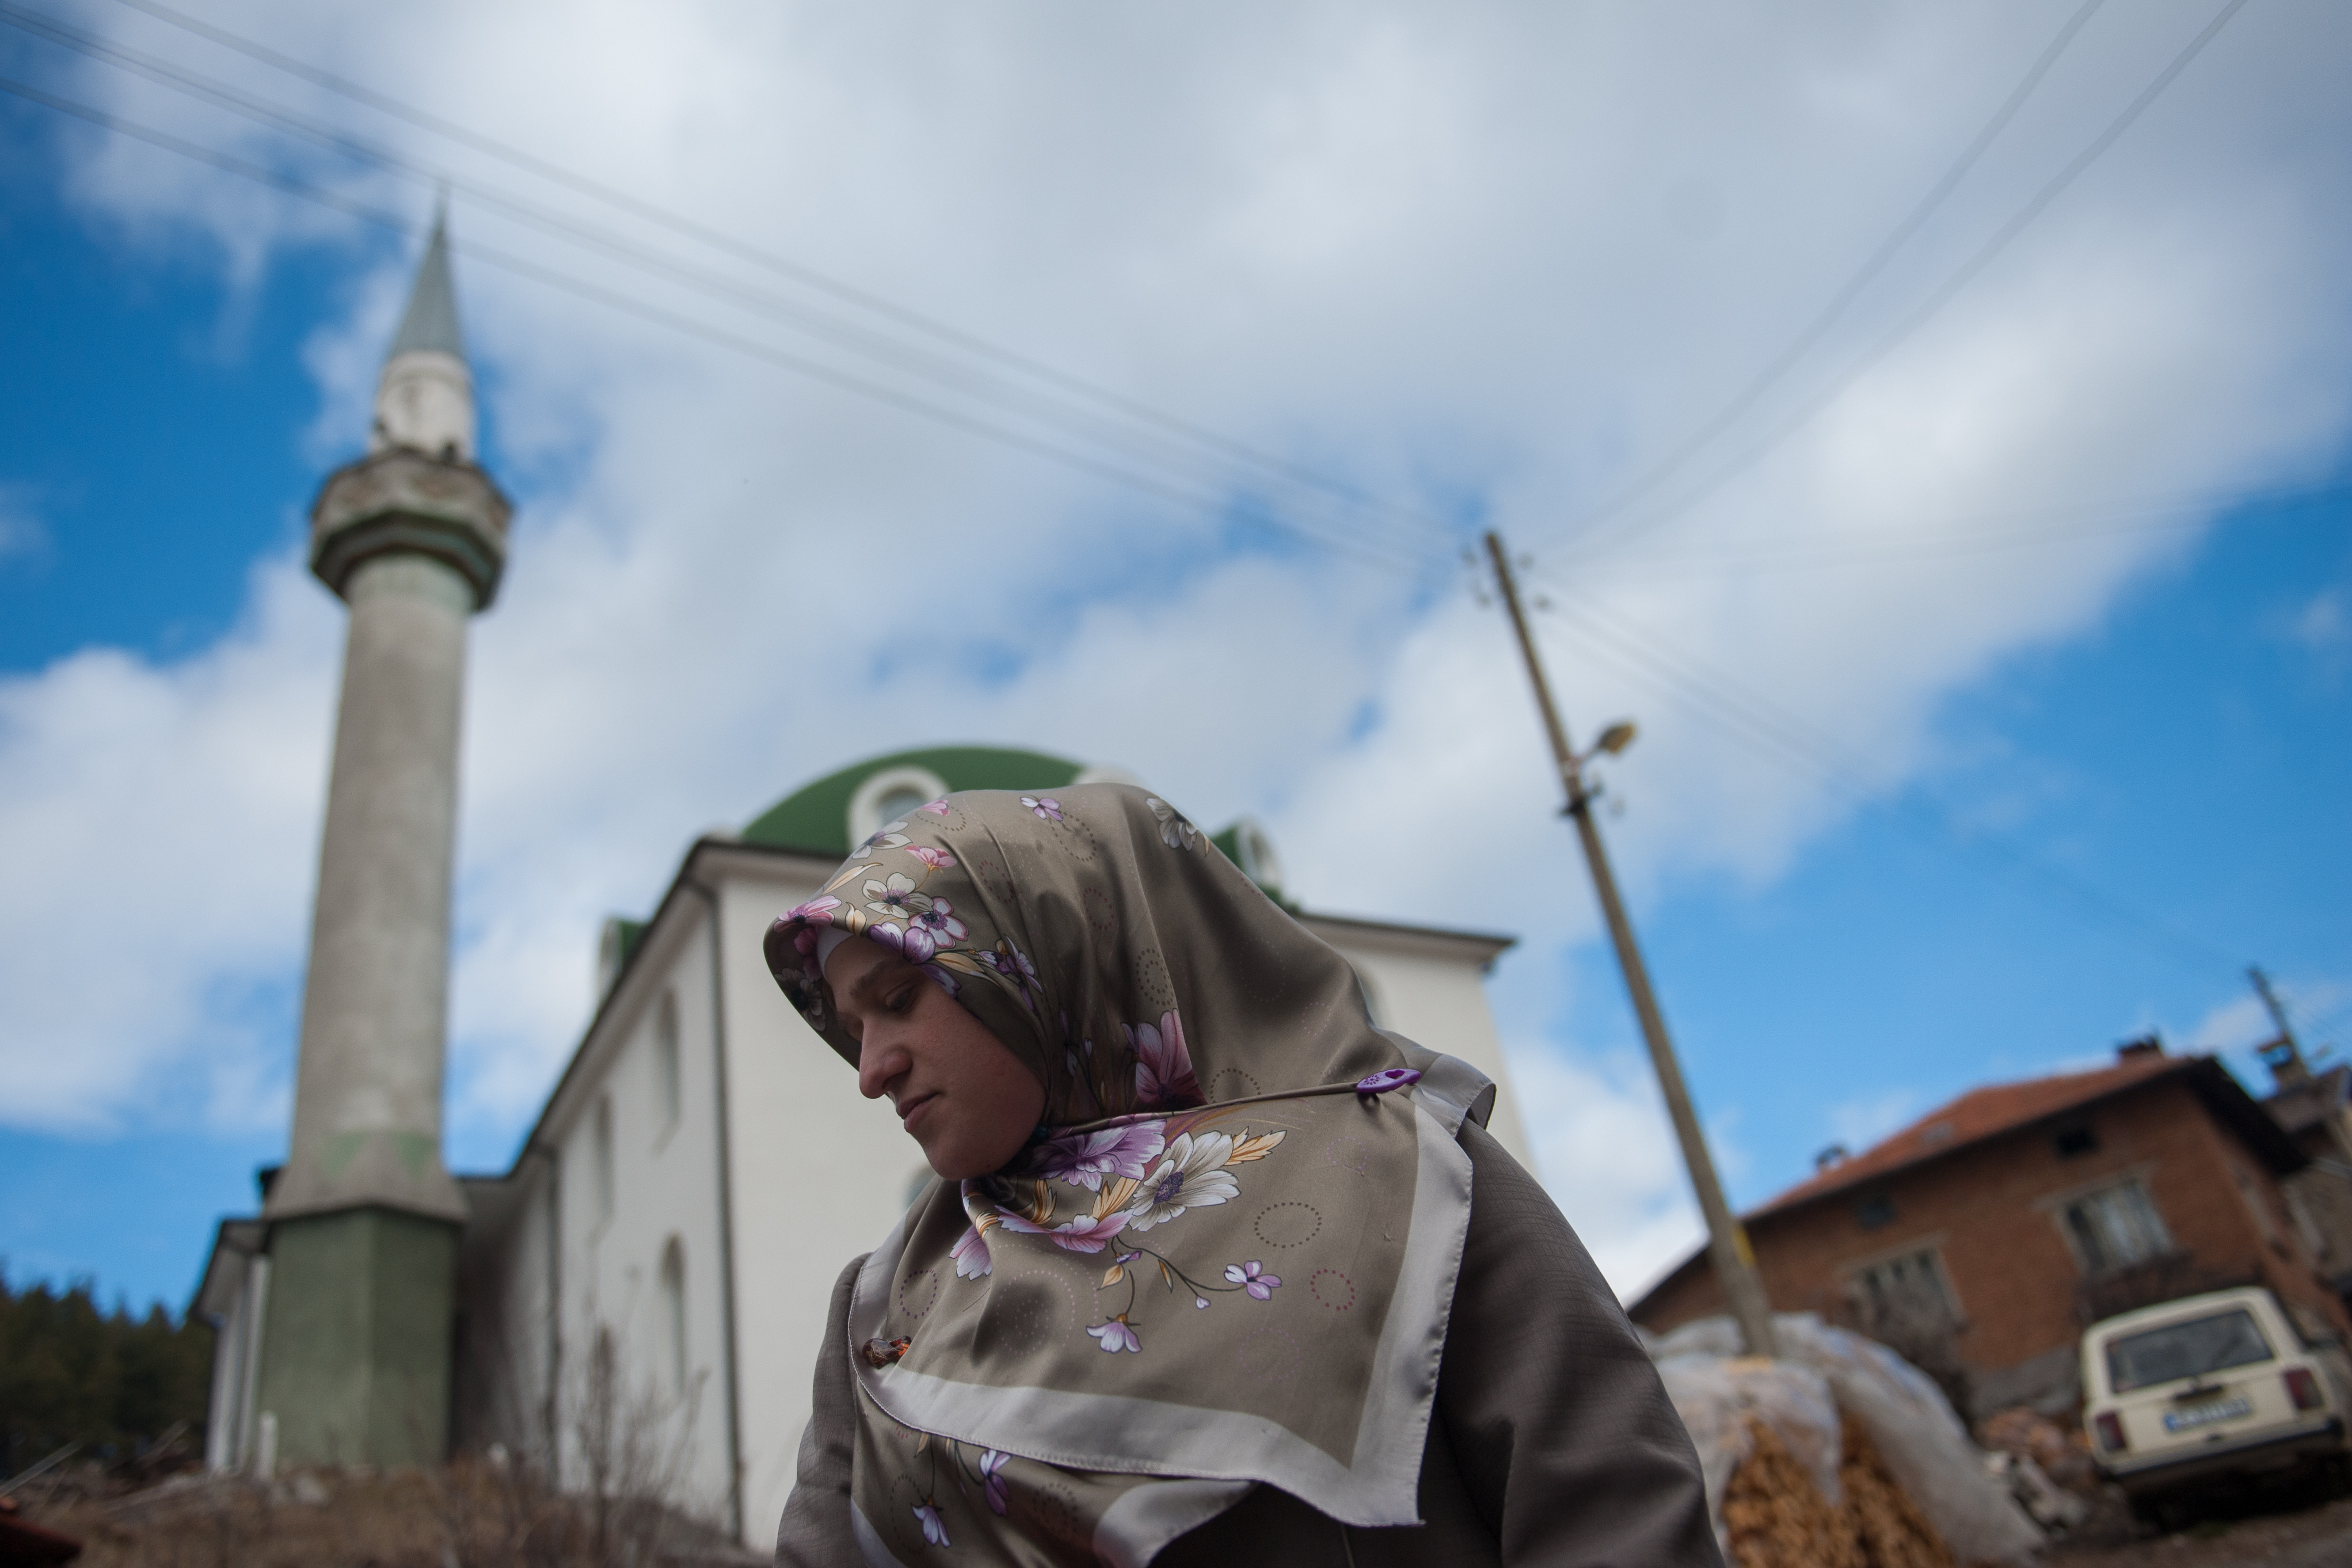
x: 959, y: 1093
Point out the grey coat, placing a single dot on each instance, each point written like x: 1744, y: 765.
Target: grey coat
x: 1553, y: 1441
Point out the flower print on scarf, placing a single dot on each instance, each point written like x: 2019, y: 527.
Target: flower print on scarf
x: 970, y: 1255
x: 992, y: 1472
x: 1086, y: 1232
x: 1116, y: 1336
x: 937, y: 808
x: 896, y: 898
x: 890, y: 836
x: 1163, y: 1067
x: 1252, y: 1276
x: 910, y: 941
x: 1046, y: 810
x: 1193, y: 1175
x: 1084, y: 1159
x: 1014, y: 965
x: 935, y: 1529
x: 937, y: 859
x: 807, y: 919
x: 940, y: 921
x: 1174, y: 830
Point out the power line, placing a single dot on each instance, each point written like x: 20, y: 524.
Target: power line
x: 1226, y: 446
x: 1750, y: 717
x: 1862, y: 546
x: 1864, y: 276
x: 1903, y: 330
x: 1002, y: 398
x: 1217, y: 504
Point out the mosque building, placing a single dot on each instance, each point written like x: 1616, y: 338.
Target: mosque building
x: 663, y: 1249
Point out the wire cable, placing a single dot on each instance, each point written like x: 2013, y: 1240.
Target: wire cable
x: 1902, y: 332
x: 1229, y: 446
x: 1759, y: 723
x: 1002, y: 398
x: 1851, y: 290
x: 1869, y: 547
x: 1216, y: 504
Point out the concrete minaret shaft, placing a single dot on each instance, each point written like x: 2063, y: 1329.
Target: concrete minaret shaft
x: 364, y: 1214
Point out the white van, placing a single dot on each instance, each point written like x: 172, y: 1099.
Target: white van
x: 2209, y: 1388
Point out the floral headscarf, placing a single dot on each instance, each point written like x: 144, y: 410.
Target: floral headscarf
x: 1229, y: 1254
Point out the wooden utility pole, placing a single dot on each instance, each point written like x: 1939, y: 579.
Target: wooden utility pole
x: 2271, y: 1004
x: 1734, y: 1262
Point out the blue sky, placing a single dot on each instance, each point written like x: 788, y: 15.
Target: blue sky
x: 2160, y: 714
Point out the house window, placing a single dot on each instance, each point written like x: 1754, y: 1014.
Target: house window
x: 600, y: 1158
x: 1904, y: 1288
x: 1874, y: 1211
x: 2114, y: 1227
x: 2076, y: 1139
x: 666, y: 1057
x: 673, y: 1317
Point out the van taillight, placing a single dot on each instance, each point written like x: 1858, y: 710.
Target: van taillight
x: 2111, y: 1432
x: 2304, y: 1388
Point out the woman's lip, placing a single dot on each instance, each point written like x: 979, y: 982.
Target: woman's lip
x: 912, y: 1111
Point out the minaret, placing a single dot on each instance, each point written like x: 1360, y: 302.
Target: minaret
x: 363, y: 1218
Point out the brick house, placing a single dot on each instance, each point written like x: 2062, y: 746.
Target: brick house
x: 2315, y: 1109
x: 1992, y: 1229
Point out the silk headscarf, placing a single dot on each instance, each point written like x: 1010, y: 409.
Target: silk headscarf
x: 1228, y: 1255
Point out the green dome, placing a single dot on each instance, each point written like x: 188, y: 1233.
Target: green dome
x: 816, y: 817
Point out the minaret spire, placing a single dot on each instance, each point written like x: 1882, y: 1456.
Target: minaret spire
x: 425, y: 400
x: 363, y: 1218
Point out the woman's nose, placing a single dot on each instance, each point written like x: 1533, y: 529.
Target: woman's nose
x: 877, y: 1064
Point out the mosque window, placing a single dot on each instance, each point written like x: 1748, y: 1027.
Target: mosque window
x: 890, y: 793
x: 600, y: 1156
x: 898, y: 801
x: 665, y: 1084
x: 673, y: 1317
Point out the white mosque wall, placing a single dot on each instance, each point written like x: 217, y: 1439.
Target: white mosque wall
x: 821, y: 1175
x: 1431, y: 987
x: 635, y: 1223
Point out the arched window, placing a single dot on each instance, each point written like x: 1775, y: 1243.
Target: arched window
x: 600, y: 1158
x: 887, y: 795
x: 673, y: 1316
x: 665, y: 1058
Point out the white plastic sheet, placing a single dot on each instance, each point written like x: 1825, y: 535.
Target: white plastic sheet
x: 1926, y: 1444
x: 1717, y: 1396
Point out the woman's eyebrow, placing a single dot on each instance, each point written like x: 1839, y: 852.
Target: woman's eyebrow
x: 867, y: 988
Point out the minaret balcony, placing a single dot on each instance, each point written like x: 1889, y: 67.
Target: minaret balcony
x: 404, y: 501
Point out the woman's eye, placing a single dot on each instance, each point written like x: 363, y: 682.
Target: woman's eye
x: 901, y: 1000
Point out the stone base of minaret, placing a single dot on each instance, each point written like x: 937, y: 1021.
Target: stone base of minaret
x: 356, y: 1350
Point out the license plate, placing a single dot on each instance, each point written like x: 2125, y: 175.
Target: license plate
x: 2189, y: 1415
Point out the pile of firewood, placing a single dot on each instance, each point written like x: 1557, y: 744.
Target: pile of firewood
x: 1776, y: 1517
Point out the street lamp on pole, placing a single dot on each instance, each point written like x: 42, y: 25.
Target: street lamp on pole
x: 1733, y: 1261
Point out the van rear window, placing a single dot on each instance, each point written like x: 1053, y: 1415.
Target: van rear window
x: 2186, y: 1350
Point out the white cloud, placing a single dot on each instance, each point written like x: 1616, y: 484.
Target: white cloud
x: 1605, y: 1150
x: 1487, y: 260
x: 2324, y: 628
x: 1863, y: 1120
x: 22, y: 533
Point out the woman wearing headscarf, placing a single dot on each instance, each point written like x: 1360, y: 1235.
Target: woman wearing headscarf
x: 1215, y: 1271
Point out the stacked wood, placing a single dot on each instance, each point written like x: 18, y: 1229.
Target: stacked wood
x: 1776, y: 1517
x: 1888, y: 1528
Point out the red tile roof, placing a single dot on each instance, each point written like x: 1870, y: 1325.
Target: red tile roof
x: 1978, y: 1114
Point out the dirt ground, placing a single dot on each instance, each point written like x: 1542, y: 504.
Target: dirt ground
x: 2311, y: 1536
